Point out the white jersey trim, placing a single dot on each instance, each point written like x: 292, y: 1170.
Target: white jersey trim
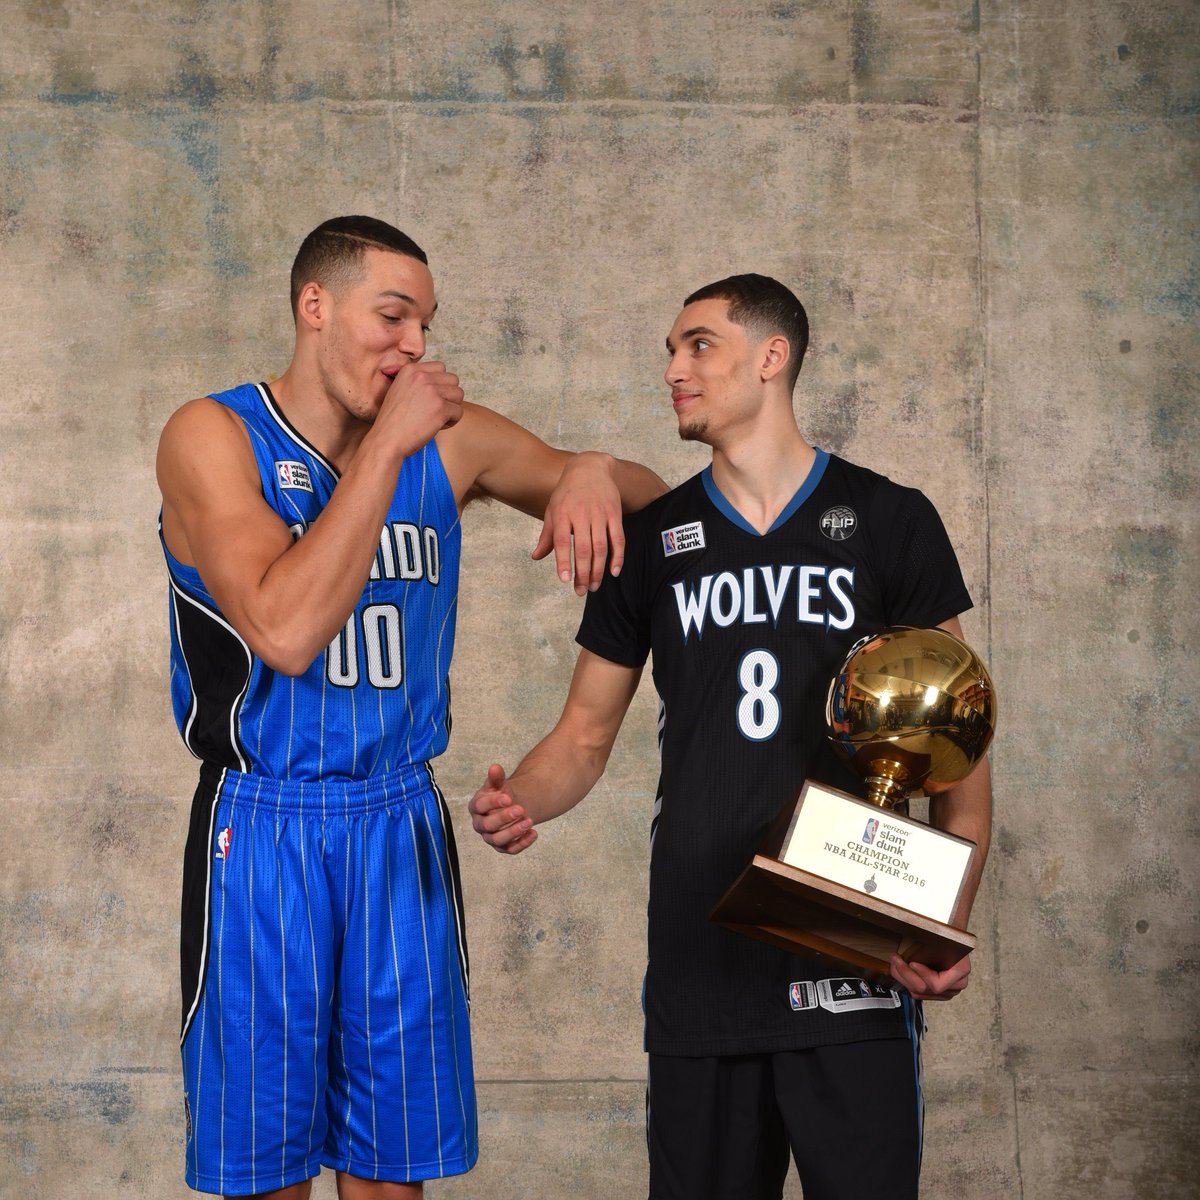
x: 293, y: 434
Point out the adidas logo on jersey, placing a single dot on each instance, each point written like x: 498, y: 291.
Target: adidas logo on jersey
x: 854, y: 995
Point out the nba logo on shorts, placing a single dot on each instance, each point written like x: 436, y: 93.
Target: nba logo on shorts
x: 223, y: 839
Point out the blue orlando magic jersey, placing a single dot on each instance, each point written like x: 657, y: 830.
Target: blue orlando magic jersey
x: 378, y: 697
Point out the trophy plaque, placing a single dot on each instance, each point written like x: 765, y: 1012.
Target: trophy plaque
x: 853, y: 880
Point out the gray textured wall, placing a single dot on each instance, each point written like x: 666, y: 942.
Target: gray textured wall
x: 989, y: 209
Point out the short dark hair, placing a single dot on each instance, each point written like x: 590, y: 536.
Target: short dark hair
x: 764, y: 307
x: 332, y: 255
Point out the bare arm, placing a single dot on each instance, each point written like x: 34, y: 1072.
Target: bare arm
x: 288, y: 598
x: 580, y: 496
x: 966, y: 810
x: 563, y: 767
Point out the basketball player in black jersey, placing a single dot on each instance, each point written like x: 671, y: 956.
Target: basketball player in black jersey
x: 747, y: 585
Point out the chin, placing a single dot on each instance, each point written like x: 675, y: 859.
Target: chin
x: 694, y: 431
x: 371, y: 408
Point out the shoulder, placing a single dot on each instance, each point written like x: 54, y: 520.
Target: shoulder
x: 684, y: 507
x: 875, y: 492
x: 219, y: 410
x: 204, y: 429
x: 857, y: 478
x: 670, y: 506
x: 197, y: 418
x: 480, y: 434
x: 476, y: 424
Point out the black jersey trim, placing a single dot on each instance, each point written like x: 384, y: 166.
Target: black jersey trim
x: 202, y: 631
x: 276, y: 414
x: 460, y: 913
x: 190, y: 918
x: 815, y: 474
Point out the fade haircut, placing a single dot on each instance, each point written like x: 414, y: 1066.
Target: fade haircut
x: 763, y: 307
x: 332, y: 255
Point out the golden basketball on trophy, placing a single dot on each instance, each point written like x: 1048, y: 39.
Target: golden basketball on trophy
x: 911, y: 708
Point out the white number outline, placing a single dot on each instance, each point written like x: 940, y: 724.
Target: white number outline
x: 382, y: 634
x: 758, y: 694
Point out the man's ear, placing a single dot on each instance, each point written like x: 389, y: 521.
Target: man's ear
x: 312, y: 305
x: 775, y: 356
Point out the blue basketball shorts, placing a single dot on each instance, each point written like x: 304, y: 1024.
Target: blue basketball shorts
x: 325, y: 983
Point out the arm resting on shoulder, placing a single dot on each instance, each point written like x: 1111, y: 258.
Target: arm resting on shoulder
x: 579, y: 496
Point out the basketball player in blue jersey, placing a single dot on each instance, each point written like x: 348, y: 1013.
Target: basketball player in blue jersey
x: 748, y: 584
x: 311, y: 529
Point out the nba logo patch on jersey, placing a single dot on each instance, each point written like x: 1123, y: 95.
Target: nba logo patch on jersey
x: 293, y: 475
x: 802, y: 995
x: 682, y: 538
x: 839, y: 523
x: 223, y: 840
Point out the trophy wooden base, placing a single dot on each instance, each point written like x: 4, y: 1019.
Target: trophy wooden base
x: 818, y: 918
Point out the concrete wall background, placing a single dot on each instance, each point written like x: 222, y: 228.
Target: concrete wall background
x: 990, y: 211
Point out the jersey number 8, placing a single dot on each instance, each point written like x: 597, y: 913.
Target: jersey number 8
x: 758, y: 709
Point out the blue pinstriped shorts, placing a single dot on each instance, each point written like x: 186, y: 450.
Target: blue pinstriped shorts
x: 324, y: 967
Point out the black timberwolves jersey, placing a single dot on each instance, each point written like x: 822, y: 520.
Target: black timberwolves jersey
x: 745, y: 630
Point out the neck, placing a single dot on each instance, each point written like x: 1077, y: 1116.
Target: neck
x: 307, y: 404
x: 760, y: 473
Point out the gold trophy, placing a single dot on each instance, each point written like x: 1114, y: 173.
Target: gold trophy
x: 856, y: 881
